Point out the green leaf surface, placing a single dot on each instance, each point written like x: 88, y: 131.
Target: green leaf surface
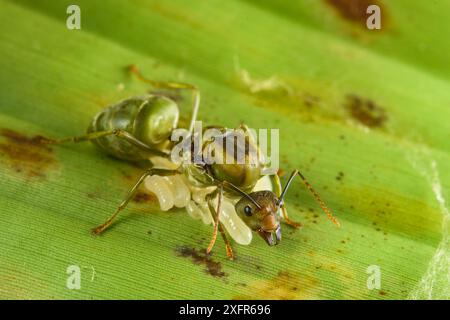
x: 364, y: 114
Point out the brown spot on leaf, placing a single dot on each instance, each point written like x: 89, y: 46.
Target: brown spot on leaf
x: 93, y: 194
x: 141, y: 197
x: 212, y: 267
x: 366, y: 111
x: 355, y: 10
x: 285, y: 285
x: 310, y: 100
x: 127, y: 175
x: 26, y: 155
x: 340, y: 176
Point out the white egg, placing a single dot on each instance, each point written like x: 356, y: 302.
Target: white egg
x: 160, y: 187
x: 180, y: 190
x: 263, y: 184
x: 206, y: 213
x: 234, y: 225
x: 193, y: 210
x: 199, y: 194
x: 163, y: 163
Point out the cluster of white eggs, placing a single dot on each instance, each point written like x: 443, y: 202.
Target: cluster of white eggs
x: 176, y: 191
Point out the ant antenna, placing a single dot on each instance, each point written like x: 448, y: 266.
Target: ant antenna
x: 232, y: 186
x: 314, y: 193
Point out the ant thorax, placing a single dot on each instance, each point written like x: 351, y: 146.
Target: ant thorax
x: 217, y: 154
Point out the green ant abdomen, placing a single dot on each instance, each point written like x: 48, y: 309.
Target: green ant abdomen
x: 148, y: 118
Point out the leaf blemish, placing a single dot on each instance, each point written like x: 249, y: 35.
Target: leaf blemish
x: 285, y: 285
x: 26, y: 155
x: 340, y: 176
x: 366, y: 111
x: 213, y: 268
x: 141, y: 197
x: 355, y: 10
x: 94, y: 194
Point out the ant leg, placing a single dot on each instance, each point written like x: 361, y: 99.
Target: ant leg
x: 277, y: 185
x: 288, y: 221
x: 173, y: 85
x: 222, y: 231
x: 230, y: 253
x: 99, y: 134
x: 216, y: 220
x: 130, y: 195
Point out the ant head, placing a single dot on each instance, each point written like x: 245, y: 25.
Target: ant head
x: 259, y: 210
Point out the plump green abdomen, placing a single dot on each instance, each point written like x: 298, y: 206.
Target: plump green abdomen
x: 148, y: 118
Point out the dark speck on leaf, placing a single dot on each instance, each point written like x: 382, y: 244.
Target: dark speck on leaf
x: 26, y: 155
x: 212, y: 267
x: 366, y: 111
x: 355, y: 10
x: 141, y: 197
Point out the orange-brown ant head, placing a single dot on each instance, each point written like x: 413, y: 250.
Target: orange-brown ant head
x: 259, y: 211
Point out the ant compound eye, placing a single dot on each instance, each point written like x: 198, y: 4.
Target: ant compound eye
x: 248, y: 211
